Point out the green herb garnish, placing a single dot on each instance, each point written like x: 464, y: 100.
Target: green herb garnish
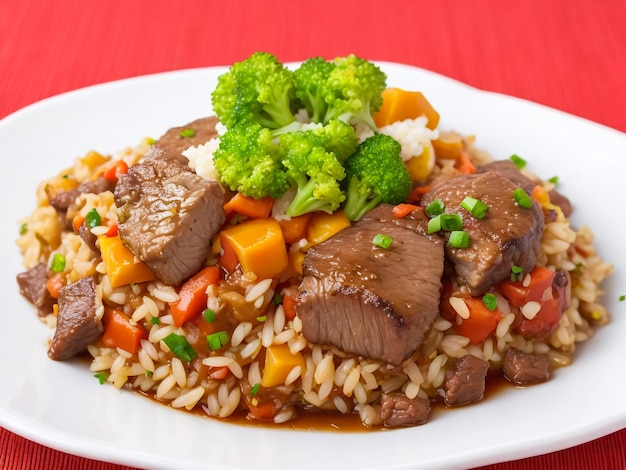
x: 217, y: 340
x: 459, y: 239
x: 474, y: 206
x: 187, y: 133
x: 522, y: 198
x: 93, y: 219
x: 382, y: 240
x: 102, y: 378
x: 516, y: 274
x: 180, y: 347
x: 436, y: 207
x: 23, y: 228
x: 209, y: 315
x: 519, y: 161
x: 490, y: 301
x: 58, y: 263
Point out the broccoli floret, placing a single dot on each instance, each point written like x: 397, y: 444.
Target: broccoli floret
x: 248, y: 160
x: 339, y: 138
x: 257, y: 89
x: 353, y: 90
x: 310, y: 81
x: 314, y: 171
x: 375, y: 173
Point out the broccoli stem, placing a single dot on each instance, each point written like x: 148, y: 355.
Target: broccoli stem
x: 358, y: 202
x: 304, y: 201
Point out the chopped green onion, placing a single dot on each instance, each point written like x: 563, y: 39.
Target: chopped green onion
x: 277, y: 299
x: 434, y: 224
x: 92, y: 219
x: 474, y: 206
x: 519, y: 161
x: 436, y: 207
x: 149, y: 373
x: 490, y: 301
x: 217, y: 340
x: 180, y: 347
x: 554, y: 180
x: 261, y: 319
x: 522, y: 198
x: 516, y: 273
x: 187, y: 133
x: 150, y: 140
x: 58, y: 263
x: 622, y: 298
x: 209, y: 315
x: 255, y: 389
x: 451, y: 222
x: 155, y: 321
x: 459, y: 239
x: 102, y: 378
x: 23, y: 229
x: 382, y: 240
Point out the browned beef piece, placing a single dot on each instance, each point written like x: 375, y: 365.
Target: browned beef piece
x: 167, y: 213
x: 177, y: 139
x: 88, y: 237
x: 508, y: 169
x: 397, y: 409
x: 508, y: 235
x: 523, y: 368
x: 367, y: 300
x: 33, y: 286
x: 466, y: 383
x: 64, y: 199
x: 77, y: 323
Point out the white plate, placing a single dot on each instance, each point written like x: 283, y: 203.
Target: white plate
x: 61, y: 405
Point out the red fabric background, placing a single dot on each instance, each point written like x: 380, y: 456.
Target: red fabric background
x: 567, y: 54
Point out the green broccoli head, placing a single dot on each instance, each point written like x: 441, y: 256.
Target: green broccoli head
x: 310, y: 84
x: 339, y: 138
x: 314, y: 171
x: 375, y: 173
x: 354, y: 90
x: 248, y: 160
x: 257, y: 89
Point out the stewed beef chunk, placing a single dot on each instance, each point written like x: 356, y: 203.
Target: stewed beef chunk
x: 397, y: 409
x: 178, y: 139
x: 368, y: 300
x: 523, y: 368
x: 508, y: 235
x: 466, y: 383
x: 33, y: 287
x: 167, y: 217
x: 61, y: 201
x: 77, y: 323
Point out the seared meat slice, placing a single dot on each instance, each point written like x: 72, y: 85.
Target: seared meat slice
x: 523, y: 368
x: 508, y: 235
x: 33, y: 286
x: 177, y: 139
x: 466, y: 384
x: 398, y: 410
x: 77, y: 324
x: 370, y: 301
x: 64, y: 199
x: 509, y: 170
x: 167, y: 216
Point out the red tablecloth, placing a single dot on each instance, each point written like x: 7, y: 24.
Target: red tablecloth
x: 567, y: 54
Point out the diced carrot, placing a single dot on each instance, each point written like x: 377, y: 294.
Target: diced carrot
x: 289, y: 305
x: 279, y: 361
x: 112, y: 231
x: 218, y: 373
x: 544, y: 322
x: 259, y: 245
x: 77, y: 221
x: 120, y: 167
x: 249, y: 206
x: 449, y: 145
x: 415, y: 196
x: 518, y: 294
x: 481, y: 322
x: 228, y: 258
x: 464, y: 164
x: 193, y: 296
x: 54, y: 285
x: 400, y: 211
x: 119, y: 332
x: 294, y: 228
x: 540, y: 195
x: 399, y: 104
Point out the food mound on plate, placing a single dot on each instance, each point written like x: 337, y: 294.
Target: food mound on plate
x: 318, y: 245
